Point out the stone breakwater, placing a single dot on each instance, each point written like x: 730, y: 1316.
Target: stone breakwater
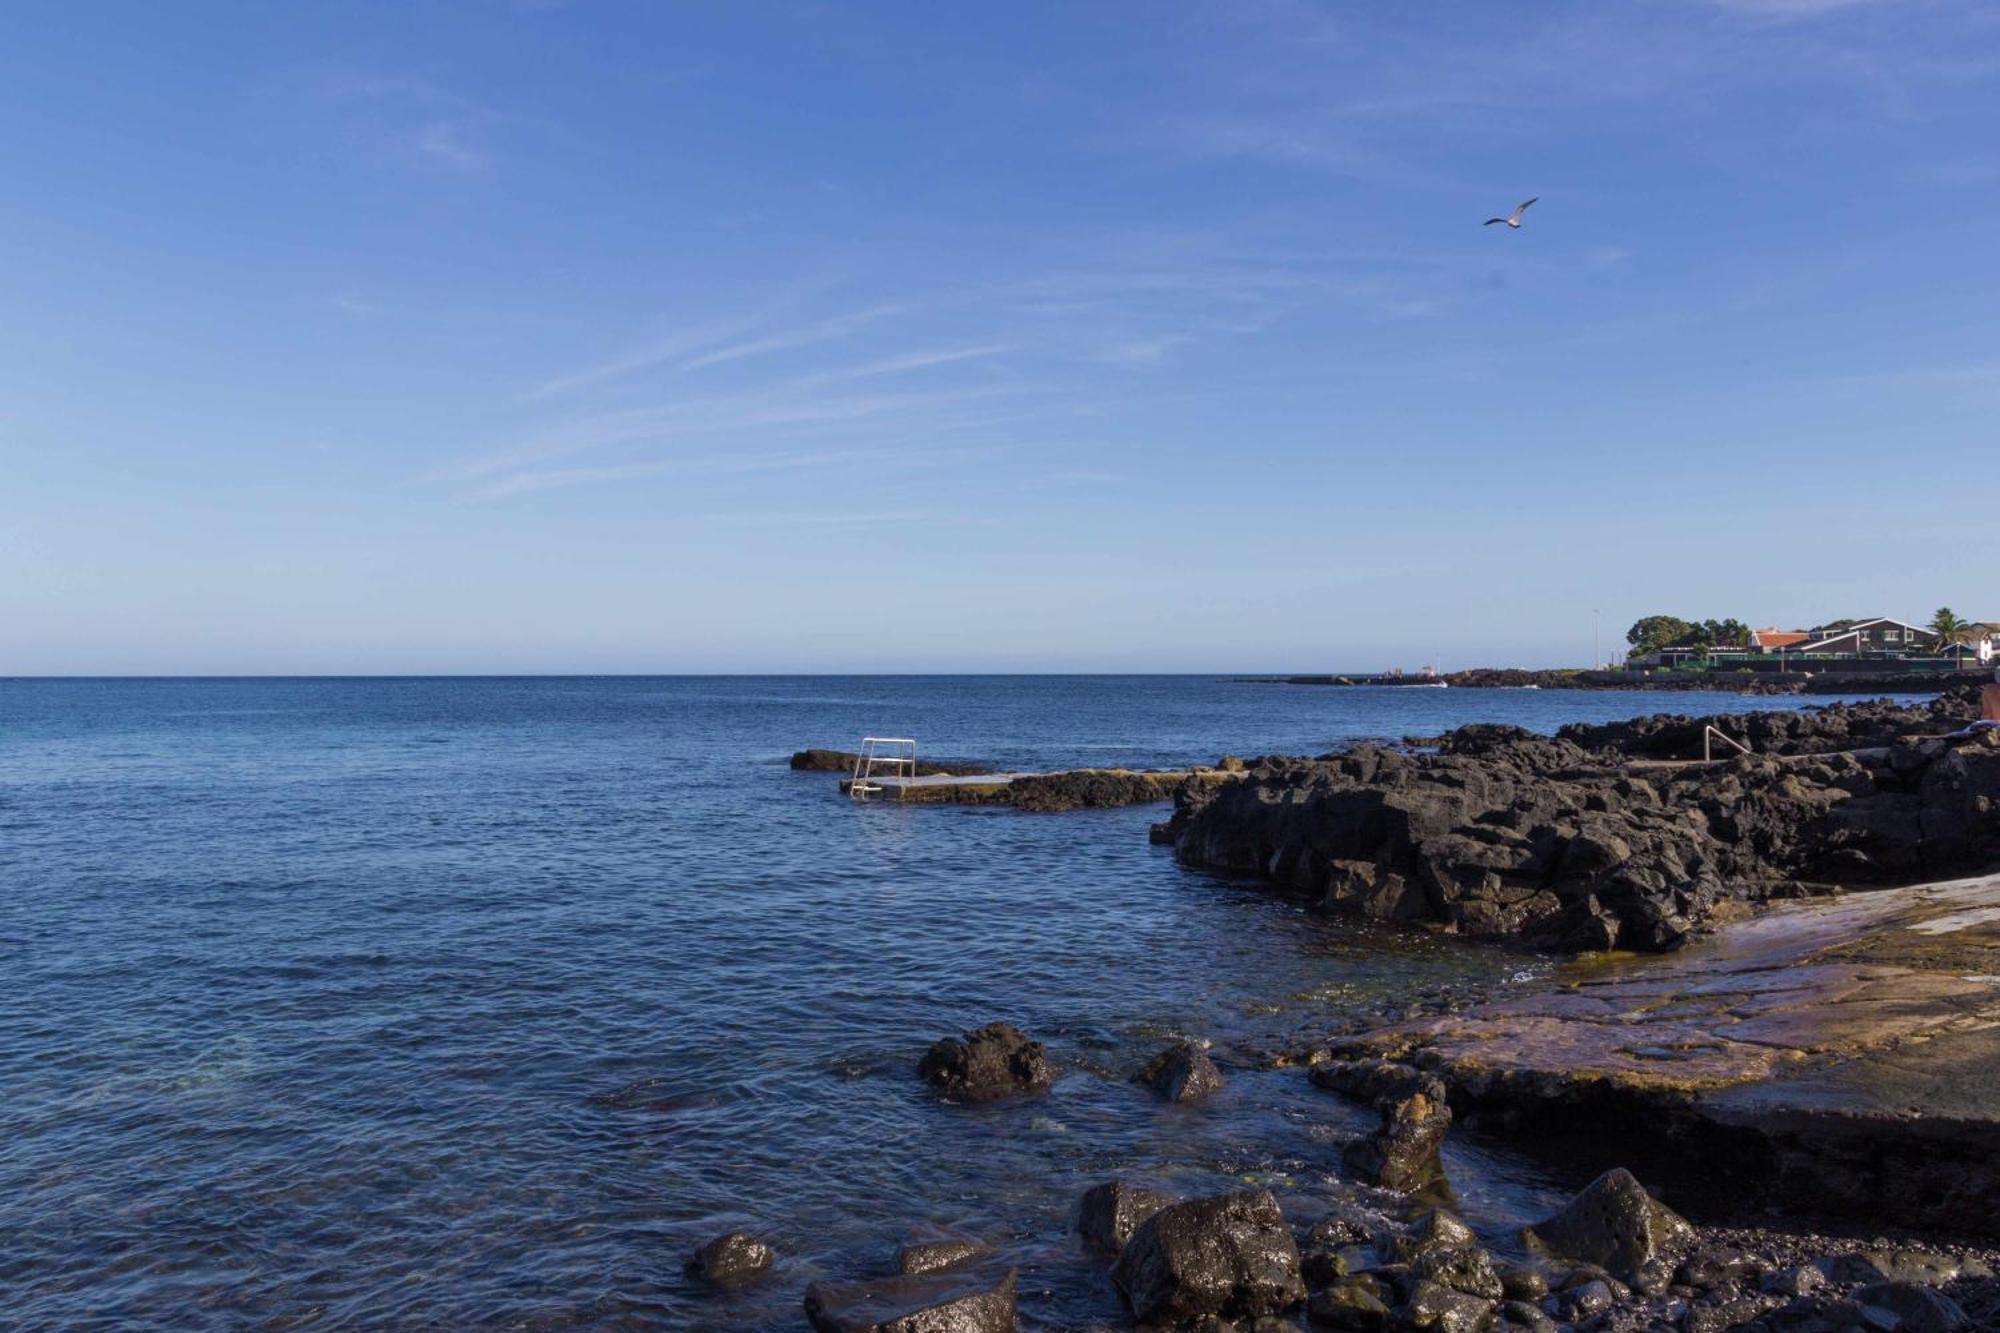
x: 1616, y: 836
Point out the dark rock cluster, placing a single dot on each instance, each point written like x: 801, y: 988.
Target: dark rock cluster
x: 998, y: 1060
x: 1181, y: 1073
x: 1404, y: 1153
x: 1599, y: 838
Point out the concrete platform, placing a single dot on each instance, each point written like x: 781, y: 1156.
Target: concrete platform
x: 940, y: 787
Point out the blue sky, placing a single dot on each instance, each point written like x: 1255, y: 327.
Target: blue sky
x: 602, y: 336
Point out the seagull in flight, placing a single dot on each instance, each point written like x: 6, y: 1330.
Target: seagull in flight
x: 1515, y: 220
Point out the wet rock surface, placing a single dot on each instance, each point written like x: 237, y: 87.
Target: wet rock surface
x: 1111, y: 1212
x: 1404, y: 1154
x: 978, y: 1300
x: 1434, y: 1273
x: 1091, y: 788
x: 1182, y: 1073
x: 733, y: 1260
x: 1611, y: 837
x: 932, y: 1250
x: 1232, y: 1255
x: 1617, y: 1226
x: 1776, y: 1064
x: 995, y: 1061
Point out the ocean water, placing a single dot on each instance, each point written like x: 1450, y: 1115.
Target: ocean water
x: 450, y: 1002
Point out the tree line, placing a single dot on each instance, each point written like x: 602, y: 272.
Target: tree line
x: 1651, y: 634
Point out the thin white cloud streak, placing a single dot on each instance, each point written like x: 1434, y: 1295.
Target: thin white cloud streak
x: 710, y: 345
x: 825, y: 331
x: 523, y: 483
x: 736, y: 414
x: 645, y: 358
x: 1792, y: 9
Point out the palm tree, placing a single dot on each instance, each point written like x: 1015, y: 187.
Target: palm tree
x: 1951, y: 631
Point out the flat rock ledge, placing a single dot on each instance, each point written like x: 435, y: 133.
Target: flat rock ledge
x: 1836, y: 1058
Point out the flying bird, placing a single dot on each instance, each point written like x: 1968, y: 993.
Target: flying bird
x: 1515, y: 220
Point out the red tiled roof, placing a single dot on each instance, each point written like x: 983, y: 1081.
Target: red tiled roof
x: 1777, y: 638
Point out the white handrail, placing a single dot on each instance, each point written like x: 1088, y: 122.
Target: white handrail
x: 1709, y: 734
x: 895, y: 753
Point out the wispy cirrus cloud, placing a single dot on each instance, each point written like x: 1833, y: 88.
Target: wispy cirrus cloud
x: 1792, y: 9
x: 715, y: 343
x: 414, y: 121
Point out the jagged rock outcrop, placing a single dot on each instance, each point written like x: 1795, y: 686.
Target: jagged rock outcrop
x: 1403, y: 1154
x: 1111, y: 1212
x: 1595, y: 839
x: 1231, y: 1255
x: 998, y: 1060
x: 1181, y: 1073
x: 1616, y: 1225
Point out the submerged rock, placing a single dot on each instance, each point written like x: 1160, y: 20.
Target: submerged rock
x: 958, y: 1301
x: 1616, y: 1225
x: 932, y: 1251
x: 1111, y: 1212
x: 734, y: 1260
x: 1181, y: 1073
x: 1230, y: 1255
x: 998, y: 1060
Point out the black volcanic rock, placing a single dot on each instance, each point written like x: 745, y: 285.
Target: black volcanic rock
x: 1111, y: 1212
x: 959, y: 1300
x: 998, y: 1060
x: 1616, y: 1225
x: 734, y: 1260
x: 1231, y: 1255
x: 1404, y: 1153
x: 1181, y: 1073
x: 1597, y: 838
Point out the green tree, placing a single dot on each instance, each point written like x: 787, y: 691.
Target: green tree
x: 1951, y: 631
x: 1653, y: 633
x: 1730, y: 633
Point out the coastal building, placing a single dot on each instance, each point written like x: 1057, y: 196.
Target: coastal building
x: 1980, y: 639
x: 1777, y: 640
x: 1872, y: 636
x: 1865, y: 643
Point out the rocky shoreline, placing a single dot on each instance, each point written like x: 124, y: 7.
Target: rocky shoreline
x: 1618, y: 836
x: 1741, y: 682
x: 1822, y: 1071
x: 1379, y: 1248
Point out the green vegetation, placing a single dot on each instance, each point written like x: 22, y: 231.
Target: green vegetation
x: 1653, y: 633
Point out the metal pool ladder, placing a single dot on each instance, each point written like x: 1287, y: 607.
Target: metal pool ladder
x: 1710, y: 735
x: 889, y: 756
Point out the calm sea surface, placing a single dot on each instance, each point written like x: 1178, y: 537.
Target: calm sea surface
x: 450, y: 1001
